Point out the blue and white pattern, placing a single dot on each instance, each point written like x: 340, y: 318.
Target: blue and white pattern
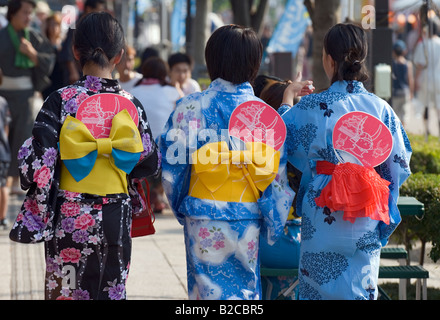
x: 338, y: 259
x: 222, y: 238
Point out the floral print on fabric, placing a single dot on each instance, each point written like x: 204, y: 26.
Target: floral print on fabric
x: 340, y: 259
x: 87, y: 237
x: 221, y: 238
x: 83, y: 239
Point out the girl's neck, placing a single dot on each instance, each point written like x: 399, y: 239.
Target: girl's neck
x: 96, y: 71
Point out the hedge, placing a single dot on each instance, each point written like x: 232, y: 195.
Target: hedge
x: 425, y: 188
x: 424, y: 185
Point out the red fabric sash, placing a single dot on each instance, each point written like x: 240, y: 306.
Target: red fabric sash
x: 356, y: 190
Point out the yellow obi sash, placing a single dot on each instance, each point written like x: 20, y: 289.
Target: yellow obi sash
x: 233, y: 176
x: 99, y: 166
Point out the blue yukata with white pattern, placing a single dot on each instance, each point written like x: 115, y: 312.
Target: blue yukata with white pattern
x: 340, y: 259
x: 221, y: 238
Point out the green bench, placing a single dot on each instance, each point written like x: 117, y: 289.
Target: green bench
x: 408, y: 206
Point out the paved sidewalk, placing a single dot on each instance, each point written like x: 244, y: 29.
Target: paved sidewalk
x: 158, y: 266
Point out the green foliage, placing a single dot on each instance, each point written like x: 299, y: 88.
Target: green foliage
x: 392, y: 290
x: 424, y: 185
x: 426, y: 154
x: 426, y: 189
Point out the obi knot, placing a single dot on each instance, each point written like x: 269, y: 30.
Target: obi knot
x: 104, y: 146
x: 356, y: 190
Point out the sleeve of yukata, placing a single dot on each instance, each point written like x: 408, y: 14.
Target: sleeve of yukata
x: 150, y: 161
x: 39, y: 167
x: 395, y: 169
x: 176, y: 145
x: 275, y: 203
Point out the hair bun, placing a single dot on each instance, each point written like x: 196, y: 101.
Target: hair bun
x: 356, y: 66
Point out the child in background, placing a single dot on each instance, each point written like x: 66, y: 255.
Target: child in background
x: 339, y: 259
x: 181, y: 65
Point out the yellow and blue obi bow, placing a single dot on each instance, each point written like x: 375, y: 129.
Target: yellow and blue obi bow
x: 79, y: 149
x: 236, y: 176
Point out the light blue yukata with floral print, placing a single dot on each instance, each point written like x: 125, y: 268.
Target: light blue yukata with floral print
x: 340, y: 259
x: 221, y: 238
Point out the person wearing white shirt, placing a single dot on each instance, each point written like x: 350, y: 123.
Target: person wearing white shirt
x: 128, y: 77
x: 426, y: 60
x: 180, y: 65
x: 156, y: 95
x: 158, y: 99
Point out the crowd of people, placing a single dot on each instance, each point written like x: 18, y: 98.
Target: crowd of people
x: 104, y: 127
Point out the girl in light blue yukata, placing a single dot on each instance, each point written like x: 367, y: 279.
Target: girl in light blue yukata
x: 222, y: 206
x: 340, y: 255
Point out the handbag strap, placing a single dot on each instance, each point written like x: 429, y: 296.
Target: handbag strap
x: 145, y: 198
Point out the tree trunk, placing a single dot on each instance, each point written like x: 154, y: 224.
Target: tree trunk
x: 245, y: 13
x: 422, y: 252
x: 324, y: 15
x: 201, y: 35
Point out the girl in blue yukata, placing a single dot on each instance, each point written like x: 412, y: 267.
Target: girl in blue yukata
x: 340, y: 244
x: 223, y: 203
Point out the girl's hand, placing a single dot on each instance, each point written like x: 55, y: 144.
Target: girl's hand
x: 297, y: 88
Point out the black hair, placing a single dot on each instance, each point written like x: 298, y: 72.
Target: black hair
x: 262, y: 81
x: 179, y: 57
x: 15, y: 5
x: 271, y: 89
x: 155, y: 68
x: 98, y: 38
x: 234, y: 54
x: 148, y: 53
x: 347, y: 44
x: 93, y: 3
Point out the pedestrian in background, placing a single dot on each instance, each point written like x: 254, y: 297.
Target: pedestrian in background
x: 403, y: 80
x: 80, y: 178
x: 343, y: 227
x: 72, y: 67
x: 181, y: 65
x: 53, y: 34
x: 159, y: 99
x: 127, y: 76
x: 26, y: 60
x: 427, y: 64
x: 5, y: 158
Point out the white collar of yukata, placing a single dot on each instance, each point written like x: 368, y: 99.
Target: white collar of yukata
x: 225, y: 86
x: 351, y: 86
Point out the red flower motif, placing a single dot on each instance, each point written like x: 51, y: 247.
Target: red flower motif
x: 42, y: 176
x: 70, y: 255
x: 84, y: 221
x: 70, y: 209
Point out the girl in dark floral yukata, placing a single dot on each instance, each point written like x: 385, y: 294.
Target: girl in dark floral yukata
x: 90, y: 144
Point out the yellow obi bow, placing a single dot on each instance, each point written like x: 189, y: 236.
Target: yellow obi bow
x: 88, y: 160
x: 235, y: 176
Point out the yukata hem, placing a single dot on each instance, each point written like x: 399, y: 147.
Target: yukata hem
x: 91, y: 198
x: 196, y: 208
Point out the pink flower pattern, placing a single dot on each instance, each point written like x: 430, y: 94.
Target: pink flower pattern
x: 42, y: 176
x: 212, y: 237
